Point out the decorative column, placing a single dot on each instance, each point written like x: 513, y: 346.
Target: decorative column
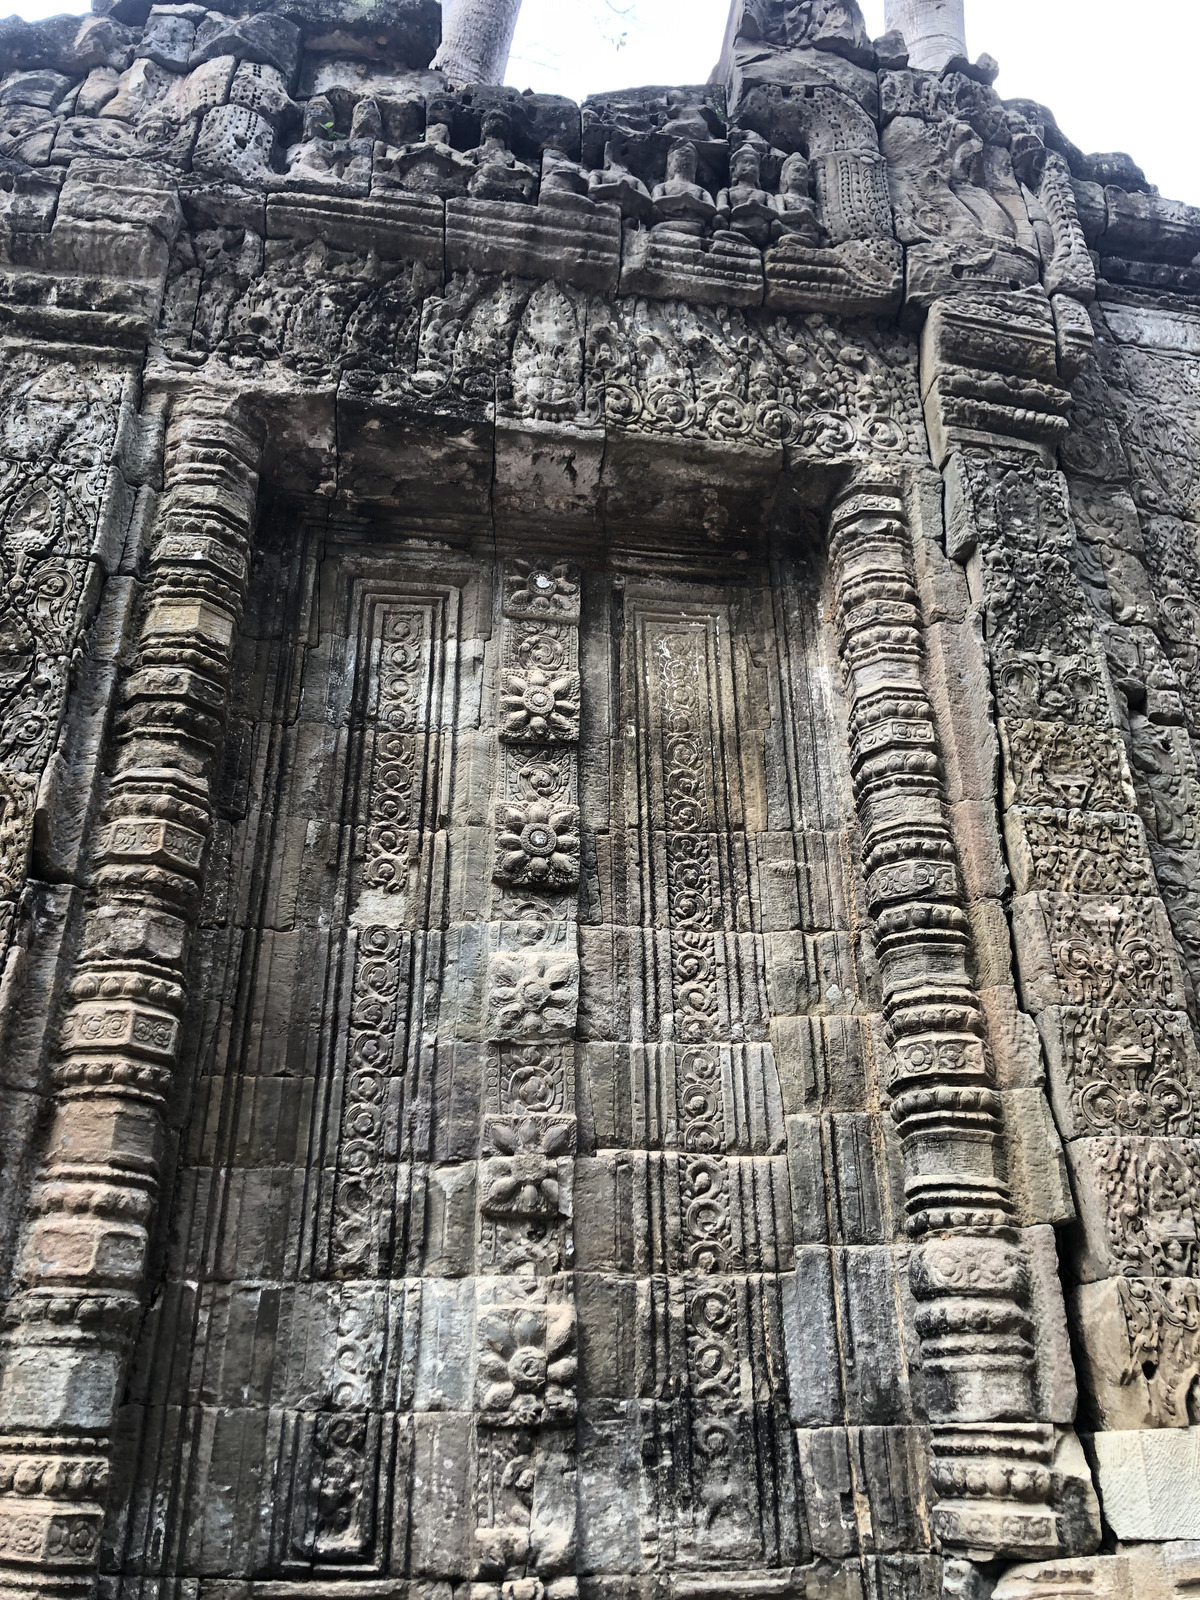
x: 991, y: 1460
x: 476, y: 38
x: 525, y: 1361
x: 81, y: 1275
x: 935, y: 31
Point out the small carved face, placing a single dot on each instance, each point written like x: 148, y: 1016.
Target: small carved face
x: 746, y: 167
x: 318, y: 119
x: 497, y: 125
x: 681, y: 161
x: 367, y: 122
x: 794, y: 177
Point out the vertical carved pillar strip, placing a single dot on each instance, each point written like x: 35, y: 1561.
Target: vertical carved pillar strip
x: 81, y: 1271
x: 990, y: 1459
x: 1097, y: 964
x: 525, y: 1305
x: 340, y: 1511
x: 63, y: 504
x: 683, y: 692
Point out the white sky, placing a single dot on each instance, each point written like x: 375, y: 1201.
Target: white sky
x: 1112, y: 84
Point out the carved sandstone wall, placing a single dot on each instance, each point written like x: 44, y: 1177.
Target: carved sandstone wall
x: 598, y: 826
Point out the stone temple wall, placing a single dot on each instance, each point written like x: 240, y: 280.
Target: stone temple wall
x: 600, y: 826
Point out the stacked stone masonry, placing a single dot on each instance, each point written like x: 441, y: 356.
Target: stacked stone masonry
x: 599, y: 824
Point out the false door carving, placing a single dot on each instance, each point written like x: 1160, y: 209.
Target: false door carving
x: 533, y: 1219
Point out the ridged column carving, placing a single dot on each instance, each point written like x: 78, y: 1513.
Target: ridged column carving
x: 81, y: 1274
x: 968, y: 1275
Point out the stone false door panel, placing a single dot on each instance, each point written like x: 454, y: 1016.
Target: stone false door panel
x: 533, y: 1218
x: 742, y: 1376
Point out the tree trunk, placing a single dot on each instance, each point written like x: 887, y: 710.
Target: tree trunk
x: 934, y: 30
x: 476, y: 38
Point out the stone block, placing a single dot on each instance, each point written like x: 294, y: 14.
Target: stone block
x: 547, y: 473
x: 875, y: 1368
x: 1138, y: 1347
x: 612, y: 1440
x: 828, y: 1485
x: 719, y: 272
x: 169, y: 37
x: 891, y: 1467
x: 1138, y: 1199
x: 800, y: 880
x: 821, y: 1061
x: 1055, y: 764
x: 991, y: 941
x: 267, y: 37
x: 977, y: 841
x: 1076, y: 950
x: 234, y: 143
x: 121, y: 192
x: 1096, y: 852
x: 1037, y: 1165
x: 1149, y: 1482
x: 1121, y: 1067
x: 858, y: 278
x: 612, y: 1323
x: 844, y: 1178
x: 1055, y: 1384
x: 1013, y: 1037
x: 401, y: 227
x: 1149, y: 225
x: 582, y: 248
x: 811, y: 1344
x: 401, y: 34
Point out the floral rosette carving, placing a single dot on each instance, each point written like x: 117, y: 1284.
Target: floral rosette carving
x: 541, y: 589
x: 532, y: 996
x: 537, y: 845
x: 522, y: 1180
x: 526, y: 1365
x: 537, y: 707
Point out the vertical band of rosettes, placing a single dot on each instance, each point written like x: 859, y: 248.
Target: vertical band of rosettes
x: 524, y: 1356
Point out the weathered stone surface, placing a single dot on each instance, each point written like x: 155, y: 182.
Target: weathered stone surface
x: 1148, y: 1483
x: 598, y: 850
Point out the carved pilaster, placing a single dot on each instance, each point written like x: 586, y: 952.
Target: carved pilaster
x: 525, y: 1359
x: 967, y: 1273
x: 1097, y: 965
x: 81, y: 1270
